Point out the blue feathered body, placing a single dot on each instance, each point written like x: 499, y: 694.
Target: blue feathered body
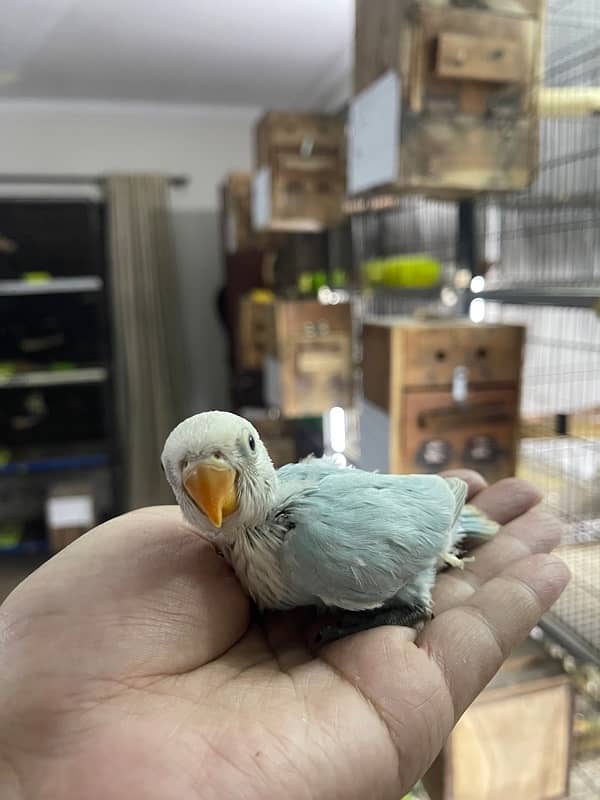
x: 355, y: 540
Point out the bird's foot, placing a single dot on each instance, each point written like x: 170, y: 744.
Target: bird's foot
x: 456, y: 561
x: 350, y: 622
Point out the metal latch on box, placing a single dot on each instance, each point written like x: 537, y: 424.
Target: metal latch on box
x: 460, y: 384
x: 460, y: 56
x: 307, y: 147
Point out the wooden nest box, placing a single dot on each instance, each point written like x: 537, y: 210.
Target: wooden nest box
x: 300, y: 181
x: 447, y: 96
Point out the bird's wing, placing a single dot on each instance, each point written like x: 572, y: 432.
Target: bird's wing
x: 356, y: 538
x: 459, y: 489
x: 310, y: 469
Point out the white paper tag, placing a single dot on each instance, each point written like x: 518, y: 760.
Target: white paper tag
x: 70, y: 512
x: 261, y: 199
x: 374, y: 135
x: 374, y: 438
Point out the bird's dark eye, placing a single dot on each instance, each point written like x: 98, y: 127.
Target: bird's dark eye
x: 252, y: 443
x: 217, y: 454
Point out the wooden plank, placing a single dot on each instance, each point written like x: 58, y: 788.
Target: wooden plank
x: 491, y: 354
x: 376, y: 342
x: 398, y: 399
x: 513, y: 746
x: 460, y: 56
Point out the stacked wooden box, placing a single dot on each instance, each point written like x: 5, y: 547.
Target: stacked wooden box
x: 469, y: 76
x: 440, y: 395
x: 255, y: 332
x: 300, y: 183
x: 309, y: 366
x: 514, y: 742
x: 278, y: 437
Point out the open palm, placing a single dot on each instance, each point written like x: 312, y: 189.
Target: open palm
x: 130, y: 669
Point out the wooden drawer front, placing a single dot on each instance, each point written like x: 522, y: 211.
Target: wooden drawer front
x: 307, y: 194
x: 305, y: 319
x: 438, y: 434
x: 316, y: 374
x: 491, y: 355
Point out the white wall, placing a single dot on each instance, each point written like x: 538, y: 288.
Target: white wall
x: 202, y: 143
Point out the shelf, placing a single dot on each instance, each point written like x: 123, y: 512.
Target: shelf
x: 84, y: 283
x: 405, y: 292
x: 575, y: 297
x: 58, y: 378
x: 31, y: 548
x: 55, y: 464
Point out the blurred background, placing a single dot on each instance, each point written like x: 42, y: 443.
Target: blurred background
x: 371, y: 227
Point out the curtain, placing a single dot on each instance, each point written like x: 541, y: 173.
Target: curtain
x: 143, y: 286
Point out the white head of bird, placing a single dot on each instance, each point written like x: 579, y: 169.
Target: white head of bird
x: 220, y: 472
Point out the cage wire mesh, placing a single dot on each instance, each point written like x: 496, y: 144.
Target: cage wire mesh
x: 550, y: 234
x: 411, y: 225
x: 548, y: 239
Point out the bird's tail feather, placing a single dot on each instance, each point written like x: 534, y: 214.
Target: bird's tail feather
x: 473, y: 522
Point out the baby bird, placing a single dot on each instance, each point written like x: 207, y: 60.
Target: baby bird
x: 315, y: 534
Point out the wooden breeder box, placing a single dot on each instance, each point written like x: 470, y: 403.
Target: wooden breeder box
x: 440, y: 395
x: 255, y: 332
x: 469, y: 80
x: 514, y: 742
x: 278, y: 436
x: 300, y: 184
x: 309, y: 368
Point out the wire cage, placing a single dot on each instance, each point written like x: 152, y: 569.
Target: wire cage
x: 549, y: 235
x: 409, y: 225
x: 542, y: 253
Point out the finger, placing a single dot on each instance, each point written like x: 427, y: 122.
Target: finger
x: 507, y: 499
x: 142, y: 589
x: 403, y: 688
x: 474, y: 480
x: 536, y: 531
x: 470, y: 642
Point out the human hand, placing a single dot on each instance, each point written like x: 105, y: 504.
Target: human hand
x: 130, y: 669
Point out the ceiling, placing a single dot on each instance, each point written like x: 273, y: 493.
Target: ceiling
x: 286, y: 53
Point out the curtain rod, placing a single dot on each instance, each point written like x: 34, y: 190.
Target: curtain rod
x: 177, y: 181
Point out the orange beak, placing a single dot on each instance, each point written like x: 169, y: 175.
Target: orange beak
x: 212, y: 488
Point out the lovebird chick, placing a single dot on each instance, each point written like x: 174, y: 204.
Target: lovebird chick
x: 359, y: 543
